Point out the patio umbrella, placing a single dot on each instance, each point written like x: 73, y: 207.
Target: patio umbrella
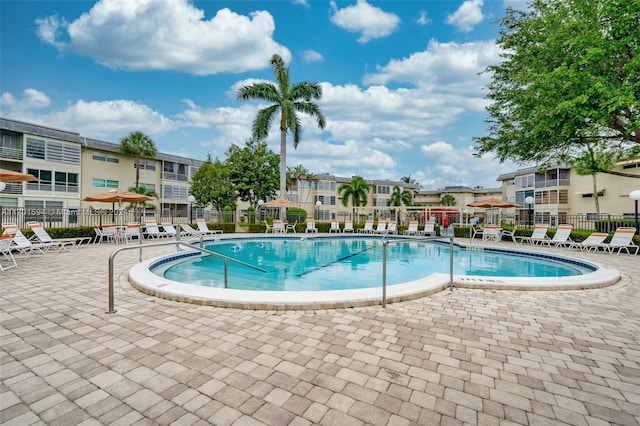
x: 12, y: 176
x: 118, y: 196
x: 281, y: 202
x: 493, y: 203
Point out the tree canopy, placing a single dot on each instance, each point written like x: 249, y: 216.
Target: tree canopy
x: 253, y: 170
x: 356, y: 191
x: 448, y: 200
x: 287, y: 100
x: 138, y: 145
x: 400, y: 197
x: 212, y: 185
x: 569, y: 84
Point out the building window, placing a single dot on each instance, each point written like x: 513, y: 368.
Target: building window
x: 98, y: 156
x: 326, y: 185
x: 66, y: 182
x: 383, y: 189
x: 175, y: 192
x: 53, y: 151
x: 146, y: 164
x: 327, y: 200
x: 105, y: 183
x: 148, y: 186
x: 41, y: 211
x: 10, y: 146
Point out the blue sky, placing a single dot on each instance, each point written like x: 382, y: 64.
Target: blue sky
x: 402, y: 94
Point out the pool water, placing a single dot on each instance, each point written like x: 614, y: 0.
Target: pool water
x: 349, y: 263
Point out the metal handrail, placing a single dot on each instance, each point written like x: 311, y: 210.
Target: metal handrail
x: 177, y: 244
x: 385, y: 243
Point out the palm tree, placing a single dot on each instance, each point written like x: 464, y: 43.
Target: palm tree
x: 448, y: 200
x: 399, y: 197
x: 297, y: 173
x: 287, y: 100
x: 139, y: 145
x: 143, y: 204
x: 356, y: 191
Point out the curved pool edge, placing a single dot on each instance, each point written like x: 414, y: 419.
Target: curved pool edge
x: 141, y: 278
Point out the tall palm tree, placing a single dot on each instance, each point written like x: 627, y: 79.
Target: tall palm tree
x: 356, y: 191
x: 448, y: 200
x: 399, y: 197
x: 142, y: 204
x: 287, y: 99
x: 139, y: 145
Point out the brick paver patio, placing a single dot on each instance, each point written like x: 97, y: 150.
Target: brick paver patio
x: 462, y: 357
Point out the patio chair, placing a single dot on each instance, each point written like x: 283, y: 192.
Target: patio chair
x: 291, y: 227
x: 204, y: 229
x: 188, y: 230
x: 152, y: 230
x: 6, y: 251
x: 311, y: 227
x: 491, y: 233
x: 278, y: 227
x: 130, y: 232
x: 171, y: 230
x: 348, y: 227
x: 412, y: 229
x: 539, y: 235
x: 392, y: 229
x: 562, y: 237
x: 429, y: 229
x: 593, y: 241
x: 622, y: 240
x: 112, y: 233
x: 381, y: 228
x: 368, y: 228
x: 335, y: 226
x: 99, y: 234
x: 21, y: 244
x: 43, y: 237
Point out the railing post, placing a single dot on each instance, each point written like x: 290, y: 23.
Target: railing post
x: 111, y: 302
x: 451, y: 263
x: 384, y: 273
x: 226, y: 273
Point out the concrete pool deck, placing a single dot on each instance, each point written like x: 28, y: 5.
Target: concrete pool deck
x: 471, y: 356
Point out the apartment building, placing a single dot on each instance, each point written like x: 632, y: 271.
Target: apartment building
x: 559, y: 192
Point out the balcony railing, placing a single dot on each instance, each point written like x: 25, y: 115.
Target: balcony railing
x: 13, y: 188
x: 10, y: 153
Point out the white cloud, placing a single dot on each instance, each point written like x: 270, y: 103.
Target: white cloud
x: 167, y: 35
x: 423, y: 20
x: 30, y: 101
x: 468, y: 15
x: 371, y: 22
x: 311, y: 56
x: 450, y: 68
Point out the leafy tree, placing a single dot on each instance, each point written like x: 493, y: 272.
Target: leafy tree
x: 143, y: 190
x: 138, y: 145
x: 253, y: 171
x: 286, y: 99
x: 447, y: 200
x: 568, y: 90
x: 356, y: 191
x: 212, y: 185
x: 410, y: 180
x: 400, y: 197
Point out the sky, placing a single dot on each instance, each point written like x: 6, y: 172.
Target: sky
x: 403, y: 91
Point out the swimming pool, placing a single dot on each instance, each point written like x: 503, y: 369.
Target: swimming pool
x: 311, y: 272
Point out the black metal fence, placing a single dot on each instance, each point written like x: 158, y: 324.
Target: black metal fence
x: 70, y: 217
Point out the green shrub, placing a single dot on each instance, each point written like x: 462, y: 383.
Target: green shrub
x: 296, y: 215
x: 251, y: 215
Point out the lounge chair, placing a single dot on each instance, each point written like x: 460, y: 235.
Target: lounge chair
x: 348, y: 227
x: 131, y: 231
x: 491, y: 233
x: 539, y: 235
x: 311, y: 227
x: 189, y: 231
x: 152, y: 230
x: 562, y: 237
x: 171, y: 231
x: 593, y: 241
x: 204, y: 229
x: 392, y: 229
x: 61, y: 243
x: 6, y: 251
x: 429, y: 229
x: 622, y: 240
x: 278, y: 227
x: 412, y: 229
x: 381, y: 228
x: 335, y: 226
x: 112, y: 233
x: 368, y: 228
x: 21, y: 244
x: 99, y: 234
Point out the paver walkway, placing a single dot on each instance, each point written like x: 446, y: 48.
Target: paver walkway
x: 462, y: 357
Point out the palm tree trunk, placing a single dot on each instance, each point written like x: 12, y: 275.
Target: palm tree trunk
x: 283, y: 163
x: 595, y: 196
x: 137, y: 170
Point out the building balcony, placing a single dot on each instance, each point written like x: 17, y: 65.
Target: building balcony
x: 11, y: 153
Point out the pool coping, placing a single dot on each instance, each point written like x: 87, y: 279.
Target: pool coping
x: 145, y: 281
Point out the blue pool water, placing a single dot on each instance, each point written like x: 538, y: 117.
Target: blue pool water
x: 302, y: 264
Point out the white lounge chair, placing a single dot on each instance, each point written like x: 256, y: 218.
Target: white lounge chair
x: 381, y: 228
x: 130, y: 232
x: 368, y: 228
x: 348, y: 227
x: 99, y: 234
x: 112, y: 233
x: 562, y: 237
x: 539, y: 235
x: 311, y: 227
x: 429, y: 229
x: 21, y: 244
x: 592, y: 242
x: 291, y: 227
x: 491, y: 233
x: 622, y: 240
x: 335, y: 226
x: 392, y: 229
x: 171, y: 230
x: 189, y: 231
x: 204, y: 229
x: 6, y: 252
x: 43, y: 237
x: 412, y: 229
x: 152, y: 230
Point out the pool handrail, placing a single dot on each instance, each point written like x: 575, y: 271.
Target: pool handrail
x: 386, y: 242
x: 177, y: 243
